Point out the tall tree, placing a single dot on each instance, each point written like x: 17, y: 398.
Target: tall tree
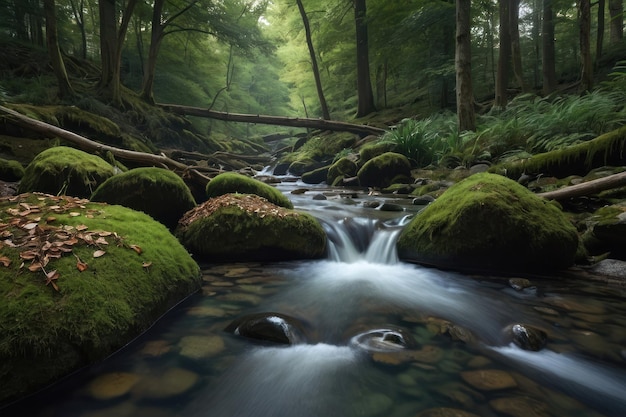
x: 584, y: 9
x: 112, y: 40
x: 600, y: 31
x: 314, y: 66
x: 616, y: 13
x: 463, y: 66
x: 364, y: 84
x: 504, y: 57
x: 54, y: 52
x: 78, y: 10
x: 548, y: 53
x: 516, y: 50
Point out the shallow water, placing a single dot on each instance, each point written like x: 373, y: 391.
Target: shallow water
x: 187, y: 366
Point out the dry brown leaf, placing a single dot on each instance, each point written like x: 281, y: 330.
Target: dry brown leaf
x: 98, y: 253
x: 81, y: 266
x: 147, y: 265
x: 74, y: 214
x: 34, y: 267
x: 136, y: 249
x: 29, y: 226
x: 101, y: 241
x: 81, y: 227
x: 5, y: 261
x: 50, y: 219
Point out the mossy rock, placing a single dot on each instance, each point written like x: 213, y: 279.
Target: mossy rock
x: 230, y: 182
x: 342, y: 168
x: 381, y: 170
x: 317, y: 176
x: 488, y: 222
x: 64, y: 170
x: 372, y: 150
x: 246, y: 227
x: 10, y: 170
x: 158, y: 192
x: 606, y: 231
x: 57, y: 319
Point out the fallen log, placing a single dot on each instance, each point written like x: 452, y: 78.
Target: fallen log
x: 274, y: 120
x: 586, y: 188
x: 89, y: 145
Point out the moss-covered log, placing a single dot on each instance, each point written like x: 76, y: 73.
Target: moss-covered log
x: 607, y: 149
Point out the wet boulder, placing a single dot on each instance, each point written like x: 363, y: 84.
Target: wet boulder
x: 317, y: 176
x: 269, y: 327
x: 527, y: 337
x: 231, y: 182
x: 342, y: 168
x: 67, y: 171
x: 92, y: 278
x: 158, y: 192
x: 606, y: 231
x: 10, y: 170
x: 383, y: 340
x: 246, y: 227
x: 383, y: 170
x: 490, y: 223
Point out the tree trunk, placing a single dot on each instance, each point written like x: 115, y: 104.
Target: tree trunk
x: 78, y: 10
x: 548, y: 52
x: 504, y: 57
x: 536, y: 42
x: 274, y: 120
x: 516, y: 51
x: 463, y: 65
x: 315, y: 68
x: 52, y: 42
x: 587, y: 188
x: 585, y: 45
x: 156, y: 36
x: 600, y: 31
x: 364, y: 84
x: 381, y: 84
x: 616, y: 13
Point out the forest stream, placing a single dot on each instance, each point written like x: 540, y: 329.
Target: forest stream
x: 381, y: 338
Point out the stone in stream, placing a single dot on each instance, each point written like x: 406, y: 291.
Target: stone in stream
x: 527, y: 337
x: 269, y: 327
x: 201, y: 347
x: 489, y: 379
x: 519, y: 407
x: 112, y: 385
x: 169, y: 383
x: 445, y: 412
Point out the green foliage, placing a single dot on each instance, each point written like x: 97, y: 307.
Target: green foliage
x: 425, y: 141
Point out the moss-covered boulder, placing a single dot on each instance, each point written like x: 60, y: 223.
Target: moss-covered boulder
x: 317, y: 176
x: 342, y: 168
x: 246, y: 227
x: 231, y: 182
x: 489, y: 222
x: 372, y: 150
x: 155, y: 191
x: 606, y: 232
x: 10, y: 170
x: 383, y: 170
x: 64, y: 170
x: 79, y: 280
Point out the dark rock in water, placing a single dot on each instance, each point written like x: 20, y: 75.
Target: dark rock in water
x: 316, y: 176
x: 371, y: 204
x: 610, y: 267
x: 320, y: 197
x: 390, y: 207
x: 423, y: 200
x: 445, y: 412
x: 528, y: 337
x: 519, y: 284
x: 270, y: 327
x: 384, y: 340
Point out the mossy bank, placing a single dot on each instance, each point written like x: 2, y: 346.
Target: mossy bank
x: 79, y: 280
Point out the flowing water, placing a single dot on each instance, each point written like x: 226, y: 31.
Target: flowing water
x: 459, y: 355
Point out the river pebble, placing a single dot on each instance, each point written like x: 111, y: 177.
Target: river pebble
x: 445, y: 412
x: 201, y: 347
x: 519, y: 407
x: 112, y: 385
x: 489, y: 380
x: 170, y: 383
x: 156, y: 348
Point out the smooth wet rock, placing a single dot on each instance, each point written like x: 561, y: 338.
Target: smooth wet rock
x: 519, y: 407
x: 528, y: 337
x: 269, y: 327
x: 384, y: 340
x: 519, y: 284
x: 170, y: 383
x: 156, y: 348
x: 423, y: 200
x: 201, y: 347
x: 489, y: 379
x: 112, y: 385
x: 391, y: 207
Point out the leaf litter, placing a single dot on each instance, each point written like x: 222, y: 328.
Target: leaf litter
x: 39, y: 242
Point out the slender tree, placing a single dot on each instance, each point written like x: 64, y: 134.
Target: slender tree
x: 463, y: 66
x: 616, y: 14
x: 111, y: 43
x: 364, y: 83
x: 78, y: 10
x: 504, y: 57
x: 54, y: 52
x: 584, y: 8
x: 548, y: 53
x: 314, y: 66
x: 516, y: 50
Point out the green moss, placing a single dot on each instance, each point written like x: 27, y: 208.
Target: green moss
x: 490, y: 222
x: 381, y: 170
x: 46, y: 334
x: 317, y: 176
x: 158, y: 192
x: 10, y: 170
x: 246, y: 227
x: 230, y: 182
x: 372, y: 150
x: 320, y: 149
x: 607, y: 149
x: 63, y: 170
x: 343, y: 168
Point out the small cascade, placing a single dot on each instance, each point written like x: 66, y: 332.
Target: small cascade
x: 354, y: 239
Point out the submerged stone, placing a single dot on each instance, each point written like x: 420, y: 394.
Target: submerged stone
x: 445, y: 412
x: 201, y: 347
x: 169, y: 383
x: 489, y: 379
x: 489, y: 222
x: 528, y: 337
x: 112, y: 385
x: 269, y: 327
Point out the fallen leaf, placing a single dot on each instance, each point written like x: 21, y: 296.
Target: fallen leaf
x: 29, y: 226
x: 136, y: 249
x: 81, y: 227
x: 101, y: 241
x: 74, y: 214
x: 34, y: 267
x: 50, y: 219
x: 98, y: 253
x: 147, y: 265
x: 5, y: 261
x: 81, y: 266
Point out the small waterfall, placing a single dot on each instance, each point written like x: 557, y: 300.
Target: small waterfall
x: 354, y: 239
